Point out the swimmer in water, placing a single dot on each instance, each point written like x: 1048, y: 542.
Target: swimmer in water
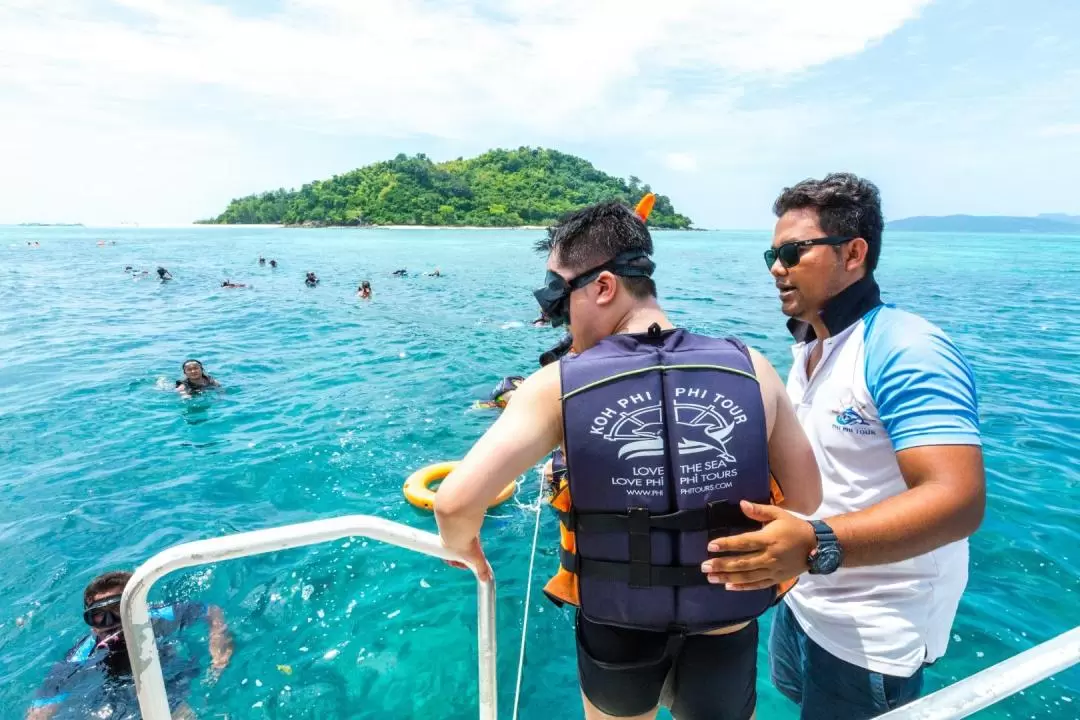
x: 195, y: 379
x: 311, y: 280
x: 435, y: 273
x: 95, y: 678
x: 500, y: 396
x: 163, y: 274
x: 401, y: 273
x: 262, y: 260
x: 231, y: 284
x: 273, y: 263
x: 364, y: 291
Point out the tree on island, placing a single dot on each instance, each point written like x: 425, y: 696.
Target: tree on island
x: 501, y: 188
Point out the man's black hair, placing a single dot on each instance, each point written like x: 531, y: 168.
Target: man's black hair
x: 115, y: 580
x: 597, y: 233
x: 846, y: 204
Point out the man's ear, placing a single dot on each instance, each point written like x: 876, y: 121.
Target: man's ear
x: 856, y: 253
x: 607, y: 285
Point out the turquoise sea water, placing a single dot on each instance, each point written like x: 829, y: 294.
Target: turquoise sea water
x: 330, y: 402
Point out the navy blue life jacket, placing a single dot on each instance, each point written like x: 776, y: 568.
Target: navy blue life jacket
x: 664, y: 434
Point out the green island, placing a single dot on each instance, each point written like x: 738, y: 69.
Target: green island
x: 501, y: 188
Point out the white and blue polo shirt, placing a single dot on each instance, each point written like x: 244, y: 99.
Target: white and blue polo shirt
x: 887, y: 381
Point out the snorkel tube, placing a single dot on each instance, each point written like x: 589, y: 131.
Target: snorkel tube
x: 645, y: 206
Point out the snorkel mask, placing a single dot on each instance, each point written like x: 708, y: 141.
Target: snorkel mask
x: 554, y: 297
x: 103, y: 614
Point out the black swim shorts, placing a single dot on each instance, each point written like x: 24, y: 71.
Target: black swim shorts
x: 623, y: 672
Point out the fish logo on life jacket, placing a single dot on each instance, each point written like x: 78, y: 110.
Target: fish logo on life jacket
x: 641, y: 432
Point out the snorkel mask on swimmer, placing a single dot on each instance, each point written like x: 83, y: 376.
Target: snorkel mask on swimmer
x: 105, y: 615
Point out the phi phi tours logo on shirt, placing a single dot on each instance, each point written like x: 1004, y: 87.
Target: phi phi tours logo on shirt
x: 850, y: 421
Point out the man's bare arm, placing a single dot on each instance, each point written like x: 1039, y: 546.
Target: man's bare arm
x: 527, y: 430
x: 791, y: 459
x: 945, y: 503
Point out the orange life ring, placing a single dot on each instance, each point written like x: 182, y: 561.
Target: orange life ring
x: 418, y: 490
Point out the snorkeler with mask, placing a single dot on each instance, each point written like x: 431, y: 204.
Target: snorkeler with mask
x: 95, y: 678
x: 500, y: 396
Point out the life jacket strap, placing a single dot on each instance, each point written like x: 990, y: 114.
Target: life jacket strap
x: 650, y: 576
x: 719, y: 518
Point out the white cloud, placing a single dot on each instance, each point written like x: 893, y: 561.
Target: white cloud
x: 163, y: 109
x: 1060, y: 130
x: 408, y: 66
x: 681, y: 162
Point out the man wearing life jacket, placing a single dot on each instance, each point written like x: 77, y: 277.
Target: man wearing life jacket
x: 664, y: 433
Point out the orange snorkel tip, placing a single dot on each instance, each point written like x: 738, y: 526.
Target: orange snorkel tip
x: 645, y: 206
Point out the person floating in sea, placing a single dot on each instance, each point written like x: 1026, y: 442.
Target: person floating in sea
x: 262, y: 260
x: 273, y: 263
x: 95, y: 678
x: 401, y: 273
x: 311, y: 280
x: 500, y: 395
x: 163, y: 274
x: 435, y: 273
x: 364, y: 291
x: 195, y: 379
x: 230, y: 284
x: 639, y: 393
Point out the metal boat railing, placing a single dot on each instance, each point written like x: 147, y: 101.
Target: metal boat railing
x: 139, y: 632
x: 995, y: 683
x: 958, y: 700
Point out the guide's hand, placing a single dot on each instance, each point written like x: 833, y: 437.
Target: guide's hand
x: 769, y: 556
x: 475, y: 555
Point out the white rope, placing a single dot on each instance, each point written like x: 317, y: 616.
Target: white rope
x: 528, y: 595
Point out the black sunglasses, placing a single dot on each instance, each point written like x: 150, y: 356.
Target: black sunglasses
x: 104, y: 613
x: 790, y: 253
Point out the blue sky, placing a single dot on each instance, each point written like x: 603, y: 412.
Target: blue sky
x: 160, y: 111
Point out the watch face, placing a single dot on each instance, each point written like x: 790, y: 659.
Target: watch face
x: 828, y: 560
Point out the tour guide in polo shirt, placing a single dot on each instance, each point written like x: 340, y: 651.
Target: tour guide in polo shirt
x: 888, y: 403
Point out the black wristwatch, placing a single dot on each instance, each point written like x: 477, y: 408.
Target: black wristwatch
x: 827, y: 556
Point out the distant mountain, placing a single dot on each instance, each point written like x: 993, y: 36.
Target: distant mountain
x: 1061, y: 216
x: 501, y: 188
x: 1049, y: 224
